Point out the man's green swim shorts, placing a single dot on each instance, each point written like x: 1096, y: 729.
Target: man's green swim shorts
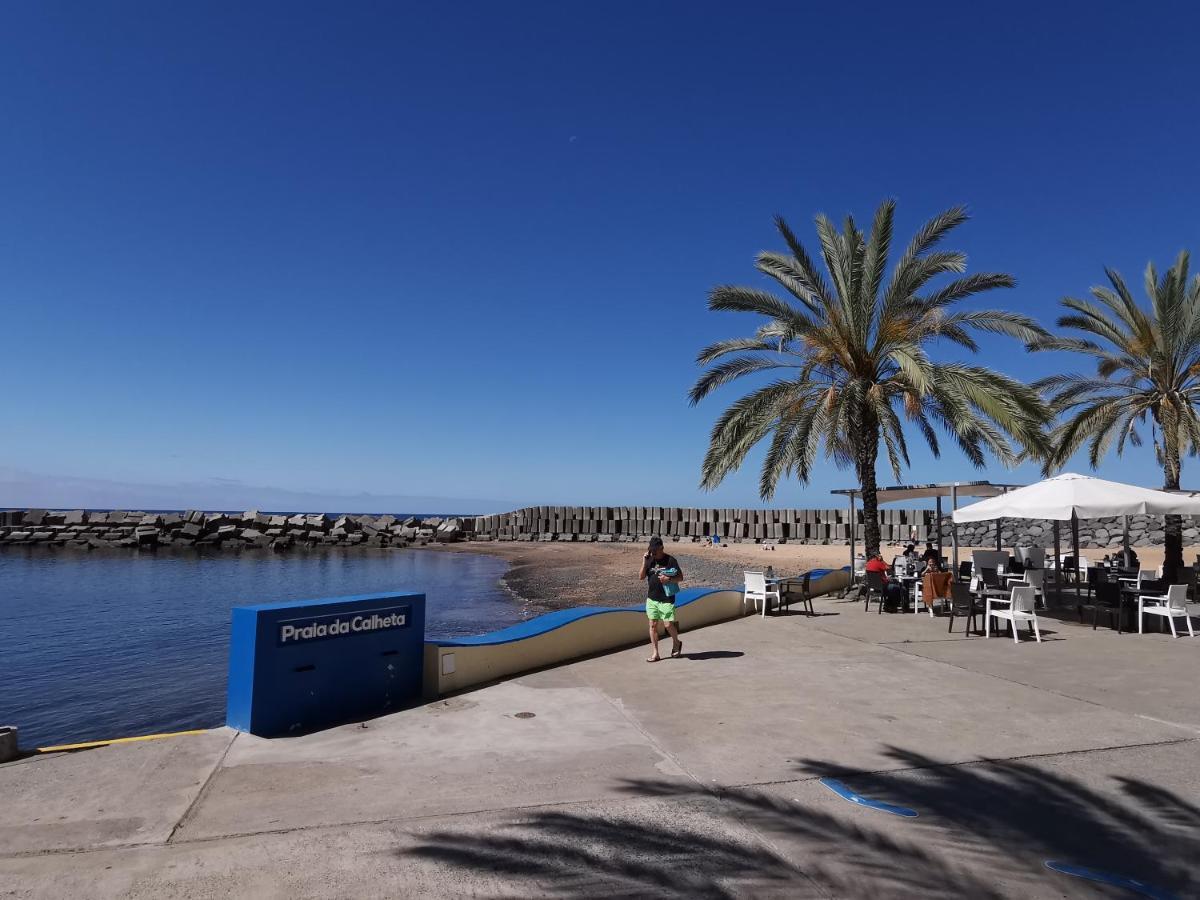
x: 660, y: 611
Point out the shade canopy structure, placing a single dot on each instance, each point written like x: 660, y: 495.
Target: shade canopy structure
x: 935, y: 491
x: 1070, y: 496
x: 930, y: 491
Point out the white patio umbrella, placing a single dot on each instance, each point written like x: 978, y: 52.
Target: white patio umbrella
x: 1082, y: 496
x: 1070, y: 497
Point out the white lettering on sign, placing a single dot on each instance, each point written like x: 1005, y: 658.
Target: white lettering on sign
x: 295, y: 631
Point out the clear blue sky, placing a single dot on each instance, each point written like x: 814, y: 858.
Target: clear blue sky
x: 463, y: 251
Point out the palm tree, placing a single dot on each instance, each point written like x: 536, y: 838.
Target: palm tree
x: 1147, y: 367
x: 851, y: 359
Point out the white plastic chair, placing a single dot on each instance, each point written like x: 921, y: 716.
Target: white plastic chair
x: 1036, y: 579
x: 758, y: 591
x: 1021, y: 607
x: 859, y: 573
x: 1172, y: 605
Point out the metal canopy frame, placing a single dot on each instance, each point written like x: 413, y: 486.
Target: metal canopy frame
x: 935, y: 491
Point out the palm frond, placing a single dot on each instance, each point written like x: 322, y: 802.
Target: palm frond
x: 730, y: 370
x: 731, y: 298
x: 733, y: 345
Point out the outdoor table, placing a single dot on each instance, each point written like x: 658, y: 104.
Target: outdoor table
x: 783, y: 583
x: 910, y: 583
x: 995, y: 594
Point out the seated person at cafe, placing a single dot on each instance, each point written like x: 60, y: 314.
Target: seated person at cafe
x: 931, y: 557
x: 1133, y: 562
x: 895, y: 596
x: 910, y: 551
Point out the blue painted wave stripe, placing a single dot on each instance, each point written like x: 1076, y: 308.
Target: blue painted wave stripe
x: 559, y: 618
x: 846, y: 794
x: 1130, y: 884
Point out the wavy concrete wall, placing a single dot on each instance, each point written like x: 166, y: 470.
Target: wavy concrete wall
x: 456, y: 664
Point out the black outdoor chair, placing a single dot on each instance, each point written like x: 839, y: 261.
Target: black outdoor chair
x: 806, y: 593
x: 1095, y: 576
x: 1187, y: 576
x: 1108, y: 600
x: 964, y: 570
x: 875, y: 589
x: 963, y: 602
x: 991, y: 578
x: 793, y: 589
x: 1069, y: 568
x: 1157, y: 586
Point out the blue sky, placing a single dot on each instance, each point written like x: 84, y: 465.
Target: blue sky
x: 463, y: 252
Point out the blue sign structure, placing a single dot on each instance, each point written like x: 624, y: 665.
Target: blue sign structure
x: 297, y: 667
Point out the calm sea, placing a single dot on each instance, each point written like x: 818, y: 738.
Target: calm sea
x: 105, y: 645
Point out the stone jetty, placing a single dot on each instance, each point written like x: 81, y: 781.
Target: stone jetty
x: 86, y: 529
x: 89, y: 529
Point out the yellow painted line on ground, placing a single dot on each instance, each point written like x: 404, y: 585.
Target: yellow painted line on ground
x: 125, y: 740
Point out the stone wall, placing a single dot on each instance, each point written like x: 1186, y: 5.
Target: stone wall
x: 1144, y: 531
x: 86, y: 530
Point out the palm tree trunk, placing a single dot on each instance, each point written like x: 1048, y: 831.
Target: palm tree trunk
x: 1173, y: 530
x: 866, y: 452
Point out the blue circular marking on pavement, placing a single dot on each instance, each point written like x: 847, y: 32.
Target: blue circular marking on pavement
x: 1130, y: 884
x: 846, y: 794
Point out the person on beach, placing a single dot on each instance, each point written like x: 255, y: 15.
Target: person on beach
x: 660, y: 569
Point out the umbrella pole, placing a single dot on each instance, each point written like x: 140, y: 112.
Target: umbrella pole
x: 1125, y: 541
x: 1058, y: 570
x: 939, y: 528
x: 999, y: 522
x: 1075, y: 548
x: 954, y: 526
x: 853, y: 535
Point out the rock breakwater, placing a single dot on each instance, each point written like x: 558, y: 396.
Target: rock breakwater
x: 87, y: 529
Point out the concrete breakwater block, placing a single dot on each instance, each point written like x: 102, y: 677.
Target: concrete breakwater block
x: 8, y: 743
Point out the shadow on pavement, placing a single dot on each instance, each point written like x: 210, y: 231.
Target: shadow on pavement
x: 714, y: 654
x: 978, y: 825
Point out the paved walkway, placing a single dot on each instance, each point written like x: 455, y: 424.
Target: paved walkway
x: 696, y: 777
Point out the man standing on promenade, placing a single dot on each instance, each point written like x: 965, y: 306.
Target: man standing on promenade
x: 659, y: 569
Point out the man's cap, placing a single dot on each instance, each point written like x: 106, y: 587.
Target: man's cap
x: 656, y: 542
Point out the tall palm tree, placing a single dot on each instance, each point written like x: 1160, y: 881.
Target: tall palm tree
x: 851, y: 361
x: 1147, y: 368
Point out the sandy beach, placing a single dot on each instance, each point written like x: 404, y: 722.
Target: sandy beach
x: 555, y: 575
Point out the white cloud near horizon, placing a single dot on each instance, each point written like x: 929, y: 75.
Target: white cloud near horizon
x: 21, y: 489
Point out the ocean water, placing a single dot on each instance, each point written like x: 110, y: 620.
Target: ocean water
x: 105, y: 645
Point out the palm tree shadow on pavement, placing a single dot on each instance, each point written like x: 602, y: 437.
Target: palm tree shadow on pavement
x: 984, y: 831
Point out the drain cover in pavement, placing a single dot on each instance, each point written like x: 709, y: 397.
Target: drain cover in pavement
x: 525, y: 715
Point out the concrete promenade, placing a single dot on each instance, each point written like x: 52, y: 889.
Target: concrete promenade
x: 696, y: 777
